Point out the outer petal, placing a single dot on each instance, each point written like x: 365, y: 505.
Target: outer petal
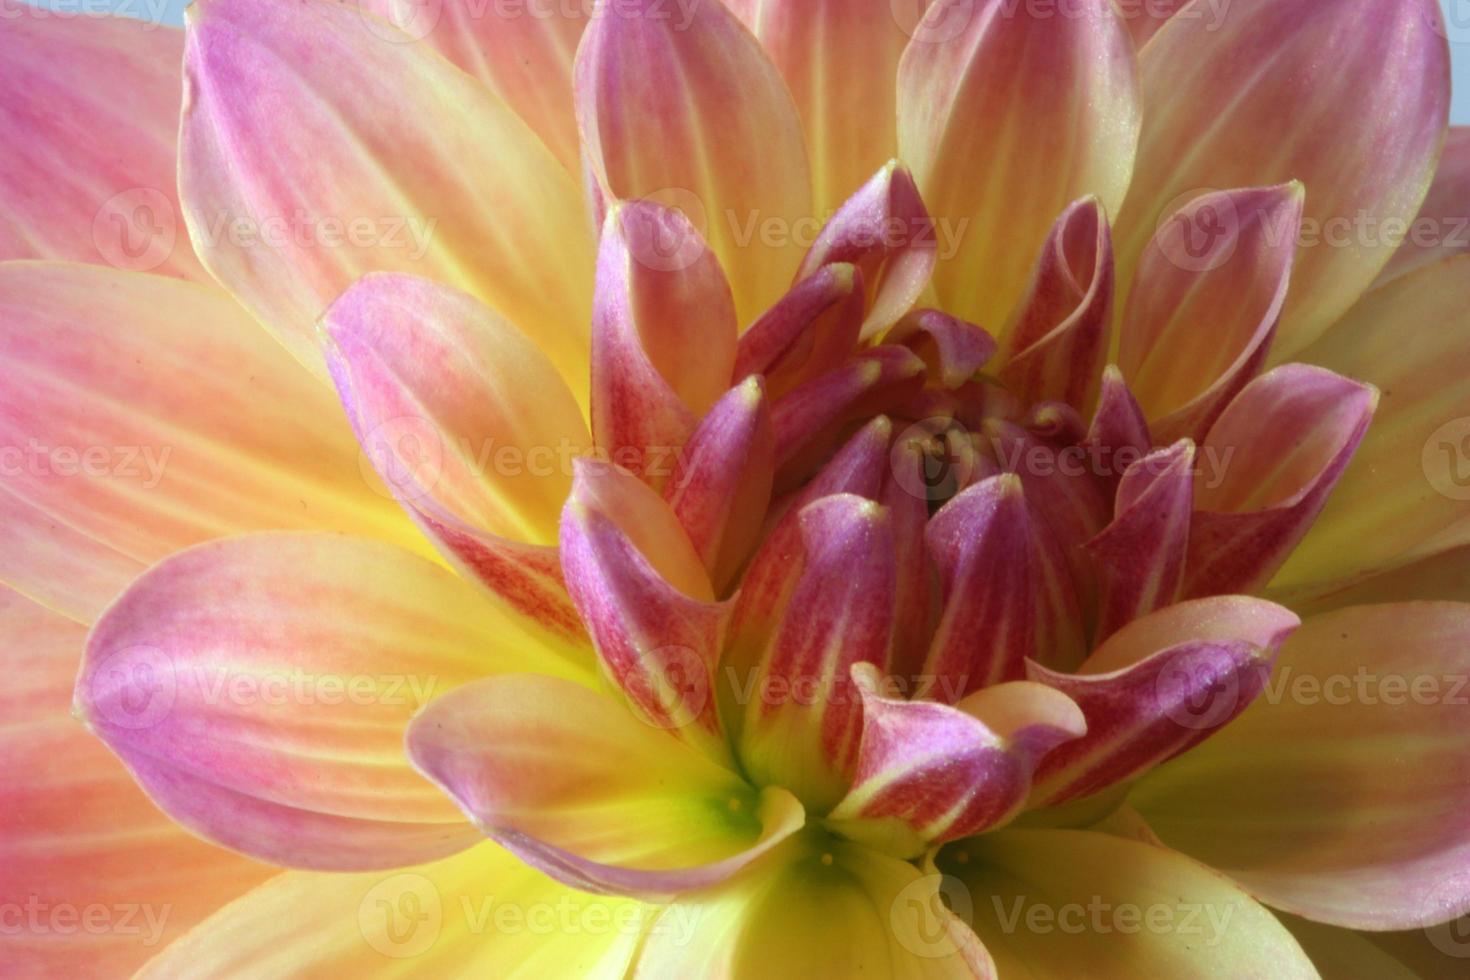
x: 96, y: 878
x: 1360, y: 693
x: 1213, y: 95
x: 390, y: 159
x: 522, y: 52
x: 90, y: 117
x: 999, y: 160
x: 470, y: 427
x: 258, y: 688
x: 690, y: 112
x: 1058, y: 338
x: 1068, y: 903
x: 140, y: 415
x: 1442, y: 229
x: 1206, y: 299
x: 480, y: 913
x: 575, y: 785
x: 817, y: 908
x: 840, y: 60
x: 663, y: 336
x: 1404, y: 496
x: 1159, y: 686
x: 927, y: 772
x: 1342, y: 954
x: 1266, y: 470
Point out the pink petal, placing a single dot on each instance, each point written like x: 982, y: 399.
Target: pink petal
x: 579, y: 788
x: 1267, y: 468
x: 885, y: 232
x: 808, y: 332
x: 1206, y: 299
x: 663, y: 335
x: 953, y: 349
x: 90, y: 115
x: 1058, y: 339
x: 1442, y: 228
x: 1118, y: 436
x: 258, y: 689
x: 648, y: 86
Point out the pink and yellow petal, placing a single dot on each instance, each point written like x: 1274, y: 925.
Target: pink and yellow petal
x: 1442, y: 228
x: 1213, y: 92
x: 90, y: 117
x: 1006, y: 116
x: 1070, y: 903
x: 576, y: 785
x: 480, y: 913
x: 96, y: 880
x: 141, y: 415
x: 259, y: 688
x: 1341, y: 794
x: 390, y: 160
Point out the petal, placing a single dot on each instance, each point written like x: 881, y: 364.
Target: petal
x: 1140, y: 555
x: 141, y: 415
x: 691, y: 112
x: 522, y: 52
x: 258, y: 688
x: 527, y: 758
x: 390, y: 159
x: 817, y: 908
x: 663, y: 334
x: 802, y: 714
x: 1118, y: 435
x: 90, y: 114
x: 840, y: 60
x: 1213, y: 91
x: 940, y: 773
x: 1159, y: 686
x: 999, y: 160
x: 1145, y: 17
x: 1206, y: 299
x: 1068, y: 903
x: 1442, y: 229
x: 469, y: 426
x: 482, y: 912
x: 1267, y: 468
x: 722, y: 486
x: 1342, y: 954
x: 1006, y: 592
x: 808, y: 332
x: 642, y: 591
x: 885, y: 232
x: 953, y: 349
x: 1315, y: 826
x: 96, y: 879
x: 1058, y: 337
x: 1404, y: 495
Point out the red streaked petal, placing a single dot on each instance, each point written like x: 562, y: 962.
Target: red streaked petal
x: 259, y: 687
x: 802, y: 713
x: 1213, y: 85
x: 808, y: 332
x: 997, y: 160
x: 1058, y: 337
x: 1268, y: 466
x: 1118, y: 435
x: 663, y: 334
x: 940, y: 772
x: 1140, y: 555
x: 722, y: 487
x: 691, y: 112
x: 1206, y: 299
x: 1006, y: 592
x: 646, y: 599
x: 579, y: 788
x: 884, y: 231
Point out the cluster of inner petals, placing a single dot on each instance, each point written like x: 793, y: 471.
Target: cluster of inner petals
x: 943, y: 576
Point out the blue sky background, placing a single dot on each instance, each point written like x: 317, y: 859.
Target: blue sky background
x: 1457, y: 19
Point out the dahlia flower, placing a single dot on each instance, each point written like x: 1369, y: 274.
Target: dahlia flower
x: 533, y: 489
